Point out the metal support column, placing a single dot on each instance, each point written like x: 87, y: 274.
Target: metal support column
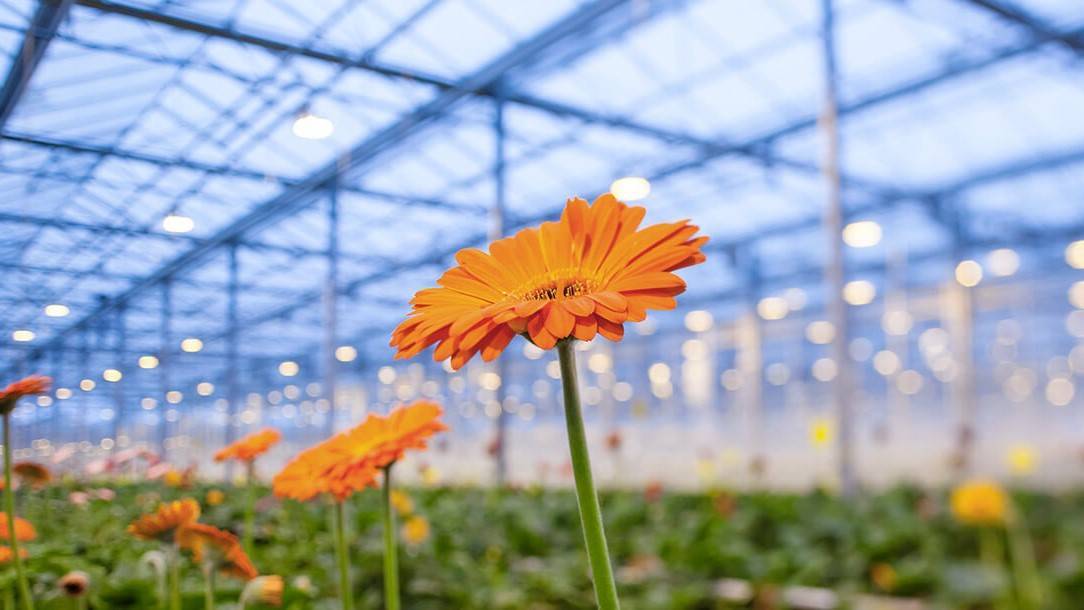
x: 233, y: 385
x: 496, y: 232
x: 331, y: 305
x: 165, y: 364
x: 834, y: 271
x: 749, y: 361
x: 961, y: 318
x: 120, y: 419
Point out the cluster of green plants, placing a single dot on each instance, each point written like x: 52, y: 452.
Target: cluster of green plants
x: 520, y: 549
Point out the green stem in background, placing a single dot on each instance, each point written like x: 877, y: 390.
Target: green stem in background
x: 209, y: 585
x: 586, y: 497
x: 174, y: 578
x: 992, y: 553
x: 9, y: 502
x: 250, y: 506
x: 346, y: 591
x: 391, y: 549
x: 1025, y: 570
x: 9, y: 598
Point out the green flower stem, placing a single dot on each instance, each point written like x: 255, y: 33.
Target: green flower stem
x: 391, y: 550
x: 250, y: 506
x: 9, y: 598
x: 1025, y: 570
x: 586, y: 497
x: 992, y: 554
x: 346, y: 591
x: 209, y: 585
x: 9, y: 502
x: 174, y: 578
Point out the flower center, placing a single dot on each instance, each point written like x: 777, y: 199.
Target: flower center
x: 563, y: 284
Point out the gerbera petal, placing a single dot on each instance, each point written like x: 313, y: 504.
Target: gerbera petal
x: 586, y: 328
x: 611, y: 300
x: 611, y: 330
x: 580, y: 306
x: 559, y: 321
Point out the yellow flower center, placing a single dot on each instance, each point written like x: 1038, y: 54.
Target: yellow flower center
x: 560, y: 284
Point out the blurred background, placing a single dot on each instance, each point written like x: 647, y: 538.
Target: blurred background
x: 214, y: 212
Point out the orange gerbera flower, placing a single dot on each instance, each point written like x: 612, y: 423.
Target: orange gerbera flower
x: 32, y: 473
x: 208, y: 543
x: 587, y: 274
x: 351, y: 461
x: 160, y: 524
x: 6, y: 555
x: 24, y: 530
x: 250, y: 447
x: 27, y: 386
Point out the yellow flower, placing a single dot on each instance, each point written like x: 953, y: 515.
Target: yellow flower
x: 402, y: 502
x: 980, y: 503
x: 430, y: 476
x: 173, y: 478
x: 821, y: 432
x: 1022, y: 459
x: 416, y: 530
x: 215, y: 497
x: 883, y: 576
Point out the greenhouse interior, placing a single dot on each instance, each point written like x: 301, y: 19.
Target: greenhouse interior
x: 651, y: 304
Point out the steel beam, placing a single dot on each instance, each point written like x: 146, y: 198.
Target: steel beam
x: 1033, y: 24
x: 39, y: 33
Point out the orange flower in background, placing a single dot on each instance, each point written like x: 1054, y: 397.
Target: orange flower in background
x: 160, y: 524
x: 208, y: 543
x: 24, y: 530
x: 6, y: 555
x: 350, y: 462
x: 32, y: 473
x: 27, y: 386
x: 265, y: 589
x: 250, y: 447
x: 586, y: 274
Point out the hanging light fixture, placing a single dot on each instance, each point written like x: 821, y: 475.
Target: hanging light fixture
x: 312, y: 127
x: 176, y: 223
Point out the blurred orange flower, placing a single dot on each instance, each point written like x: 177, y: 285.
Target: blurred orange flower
x: 250, y: 447
x: 208, y: 543
x: 162, y: 523
x: 32, y: 473
x: 586, y: 274
x: 24, y: 530
x: 27, y: 386
x: 351, y: 461
x: 6, y: 555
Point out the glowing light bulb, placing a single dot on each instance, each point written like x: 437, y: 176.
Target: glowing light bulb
x: 57, y: 310
x: 862, y: 234
x: 969, y: 273
x: 23, y: 335
x: 112, y: 375
x: 312, y: 127
x: 289, y: 368
x: 148, y: 362
x: 630, y: 188
x: 176, y: 223
x: 191, y: 345
x: 346, y: 353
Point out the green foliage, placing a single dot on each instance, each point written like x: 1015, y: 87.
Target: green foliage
x: 523, y: 549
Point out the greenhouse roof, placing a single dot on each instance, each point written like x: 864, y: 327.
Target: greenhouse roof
x: 118, y: 114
